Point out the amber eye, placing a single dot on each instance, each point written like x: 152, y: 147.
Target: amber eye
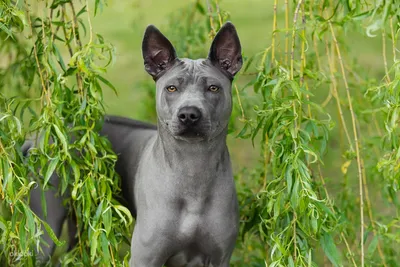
x: 213, y: 88
x: 171, y: 88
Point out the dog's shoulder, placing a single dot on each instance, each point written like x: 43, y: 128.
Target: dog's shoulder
x: 131, y: 123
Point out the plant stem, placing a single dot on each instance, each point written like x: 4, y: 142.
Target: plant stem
x: 90, y: 22
x: 348, y: 248
x: 75, y: 30
x: 243, y: 118
x: 353, y: 119
x: 75, y: 27
x: 328, y: 197
x: 112, y: 255
x: 384, y: 55
x: 274, y: 26
x: 296, y: 13
x: 35, y: 52
x: 393, y: 39
x: 287, y: 31
x: 336, y: 93
x: 64, y: 13
x: 369, y: 206
x: 212, y: 33
x: 267, y: 156
x: 369, y: 209
x: 219, y: 13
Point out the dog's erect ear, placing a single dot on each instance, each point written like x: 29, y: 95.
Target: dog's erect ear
x: 225, y: 51
x: 158, y: 52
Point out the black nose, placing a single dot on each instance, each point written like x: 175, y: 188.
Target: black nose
x: 189, y: 115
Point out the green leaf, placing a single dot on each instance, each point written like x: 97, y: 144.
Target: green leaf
x: 71, y: 71
x: 51, y: 234
x: 83, y: 10
x: 291, y: 262
x: 59, y: 58
x: 98, y: 6
x: 43, y: 202
x: 276, y: 89
x: 22, y: 234
x: 255, y: 132
x: 30, y: 222
x: 330, y: 249
x: 294, y: 198
x: 76, y: 170
x: 104, y: 247
x: 6, y: 30
x: 243, y: 131
x: 106, y: 82
x: 56, y: 3
x: 50, y: 170
x: 372, y: 246
x: 62, y: 138
x: 107, y: 220
x: 248, y: 63
x: 200, y: 8
x: 93, y: 244
x: 119, y: 209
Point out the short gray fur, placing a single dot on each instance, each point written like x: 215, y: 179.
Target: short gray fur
x: 176, y: 176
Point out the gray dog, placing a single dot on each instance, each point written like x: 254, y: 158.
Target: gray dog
x: 176, y: 177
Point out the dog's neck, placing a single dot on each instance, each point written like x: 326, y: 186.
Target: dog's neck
x: 191, y: 158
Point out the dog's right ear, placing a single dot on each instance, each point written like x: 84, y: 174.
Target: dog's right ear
x: 225, y: 51
x: 158, y: 52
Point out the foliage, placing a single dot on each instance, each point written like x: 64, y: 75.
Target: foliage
x: 66, y: 113
x: 291, y: 206
x: 292, y: 212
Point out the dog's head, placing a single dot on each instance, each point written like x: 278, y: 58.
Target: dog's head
x: 194, y: 99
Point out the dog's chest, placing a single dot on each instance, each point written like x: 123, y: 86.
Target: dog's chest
x: 193, y: 210
x: 191, y: 215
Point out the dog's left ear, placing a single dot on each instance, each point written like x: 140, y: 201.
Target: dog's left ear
x: 158, y: 52
x: 225, y: 51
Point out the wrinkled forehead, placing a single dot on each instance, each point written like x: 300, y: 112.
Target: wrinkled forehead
x: 188, y: 71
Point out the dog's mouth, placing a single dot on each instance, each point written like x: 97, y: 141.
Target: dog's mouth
x: 190, y: 133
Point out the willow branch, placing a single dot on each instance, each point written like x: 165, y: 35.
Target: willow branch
x: 353, y: 120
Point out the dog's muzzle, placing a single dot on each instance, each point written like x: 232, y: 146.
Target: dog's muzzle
x: 190, y: 122
x: 189, y: 116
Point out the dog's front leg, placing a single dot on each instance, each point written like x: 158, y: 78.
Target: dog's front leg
x: 146, y: 253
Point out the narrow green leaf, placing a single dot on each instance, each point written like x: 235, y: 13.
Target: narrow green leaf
x: 50, y: 170
x: 22, y: 234
x: 291, y: 262
x: 6, y: 30
x: 106, y: 82
x: 51, y: 234
x: 93, y: 245
x: 119, y: 208
x: 330, y: 249
x: 372, y: 246
x: 200, y: 8
x: 104, y: 247
x: 62, y: 138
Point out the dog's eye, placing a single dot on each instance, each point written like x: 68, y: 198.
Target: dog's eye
x: 171, y: 89
x: 213, y: 88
